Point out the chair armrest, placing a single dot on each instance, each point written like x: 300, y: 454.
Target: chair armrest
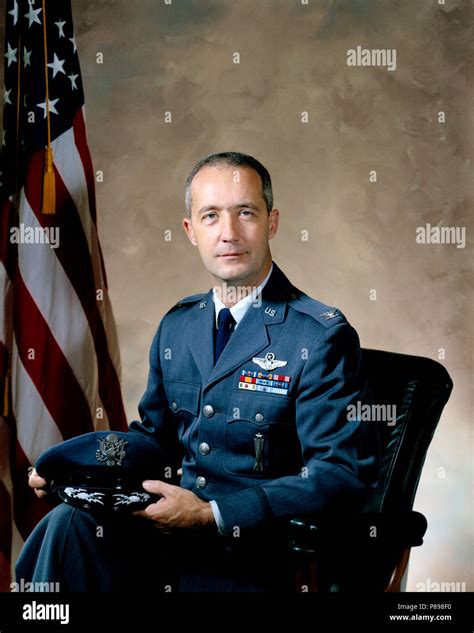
x: 394, y: 530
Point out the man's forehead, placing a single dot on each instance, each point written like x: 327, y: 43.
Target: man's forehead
x: 217, y: 173
x: 213, y: 183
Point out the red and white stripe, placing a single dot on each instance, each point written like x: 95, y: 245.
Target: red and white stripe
x: 58, y: 338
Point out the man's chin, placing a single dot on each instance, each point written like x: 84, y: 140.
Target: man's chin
x: 232, y: 270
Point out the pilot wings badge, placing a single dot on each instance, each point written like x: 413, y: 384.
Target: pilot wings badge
x: 269, y: 362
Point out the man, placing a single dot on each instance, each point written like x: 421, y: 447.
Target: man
x: 248, y: 391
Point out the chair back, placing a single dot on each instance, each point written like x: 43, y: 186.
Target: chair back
x: 418, y: 388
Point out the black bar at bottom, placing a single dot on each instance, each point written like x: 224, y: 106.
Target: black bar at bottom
x: 236, y: 613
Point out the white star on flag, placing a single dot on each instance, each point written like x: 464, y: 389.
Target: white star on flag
x: 73, y: 81
x: 57, y: 65
x: 60, y: 26
x: 52, y: 109
x: 14, y: 13
x: 32, y: 15
x: 26, y: 57
x: 11, y: 55
x: 6, y: 96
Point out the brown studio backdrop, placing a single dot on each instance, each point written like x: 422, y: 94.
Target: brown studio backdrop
x: 178, y: 58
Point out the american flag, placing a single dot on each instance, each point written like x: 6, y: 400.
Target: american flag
x: 59, y: 355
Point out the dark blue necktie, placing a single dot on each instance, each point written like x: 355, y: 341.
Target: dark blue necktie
x: 226, y: 323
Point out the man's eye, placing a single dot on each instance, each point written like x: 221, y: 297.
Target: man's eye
x: 208, y: 216
x: 246, y: 212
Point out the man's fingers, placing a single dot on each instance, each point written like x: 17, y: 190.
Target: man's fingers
x: 140, y: 513
x: 159, y: 487
x: 154, y: 510
x: 35, y: 481
x: 164, y: 529
x: 150, y: 512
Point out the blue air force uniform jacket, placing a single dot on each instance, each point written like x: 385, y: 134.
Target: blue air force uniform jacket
x: 266, y: 451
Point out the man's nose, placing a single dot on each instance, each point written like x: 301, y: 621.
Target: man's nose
x: 229, y: 231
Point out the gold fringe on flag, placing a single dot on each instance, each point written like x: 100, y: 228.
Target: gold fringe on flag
x: 49, y: 184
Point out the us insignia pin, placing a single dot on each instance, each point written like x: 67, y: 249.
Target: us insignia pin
x: 111, y: 450
x: 330, y: 314
x: 269, y: 361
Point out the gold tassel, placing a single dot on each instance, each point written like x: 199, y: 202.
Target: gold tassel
x: 49, y: 185
x: 6, y: 397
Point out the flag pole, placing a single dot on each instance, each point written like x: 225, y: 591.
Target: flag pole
x: 7, y: 376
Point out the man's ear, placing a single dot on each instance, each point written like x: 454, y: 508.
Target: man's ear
x: 273, y: 220
x: 188, y: 227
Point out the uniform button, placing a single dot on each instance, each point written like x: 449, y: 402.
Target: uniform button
x: 259, y: 417
x: 174, y: 406
x: 200, y: 482
x: 204, y: 448
x: 208, y: 410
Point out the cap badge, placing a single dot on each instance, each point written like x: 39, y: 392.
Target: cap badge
x: 111, y: 450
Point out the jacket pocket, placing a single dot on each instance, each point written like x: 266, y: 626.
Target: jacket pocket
x: 182, y: 396
x: 260, y: 434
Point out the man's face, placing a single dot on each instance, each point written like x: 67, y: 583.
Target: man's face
x: 230, y: 224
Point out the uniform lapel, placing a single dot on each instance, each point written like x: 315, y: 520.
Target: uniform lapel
x: 248, y: 339
x: 251, y: 335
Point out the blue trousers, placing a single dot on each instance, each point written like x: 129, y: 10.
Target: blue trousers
x: 95, y: 552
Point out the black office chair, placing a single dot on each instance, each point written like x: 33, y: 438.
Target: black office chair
x: 370, y: 551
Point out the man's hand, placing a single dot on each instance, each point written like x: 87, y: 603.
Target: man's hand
x: 36, y: 482
x: 178, y: 507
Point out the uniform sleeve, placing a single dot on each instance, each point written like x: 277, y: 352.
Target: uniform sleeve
x: 156, y: 420
x: 339, y: 456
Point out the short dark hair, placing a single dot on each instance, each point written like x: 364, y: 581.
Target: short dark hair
x: 232, y: 159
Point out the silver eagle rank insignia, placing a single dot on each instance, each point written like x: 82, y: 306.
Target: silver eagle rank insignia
x: 111, y: 450
x: 269, y: 361
x: 330, y: 314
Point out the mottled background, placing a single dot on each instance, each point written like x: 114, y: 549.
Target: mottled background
x: 179, y: 58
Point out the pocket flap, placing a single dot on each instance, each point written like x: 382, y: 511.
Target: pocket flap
x: 182, y: 396
x: 259, y: 408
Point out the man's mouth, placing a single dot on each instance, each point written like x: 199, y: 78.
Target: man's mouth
x: 231, y: 255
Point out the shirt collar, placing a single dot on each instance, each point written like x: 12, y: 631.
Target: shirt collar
x: 240, y: 308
